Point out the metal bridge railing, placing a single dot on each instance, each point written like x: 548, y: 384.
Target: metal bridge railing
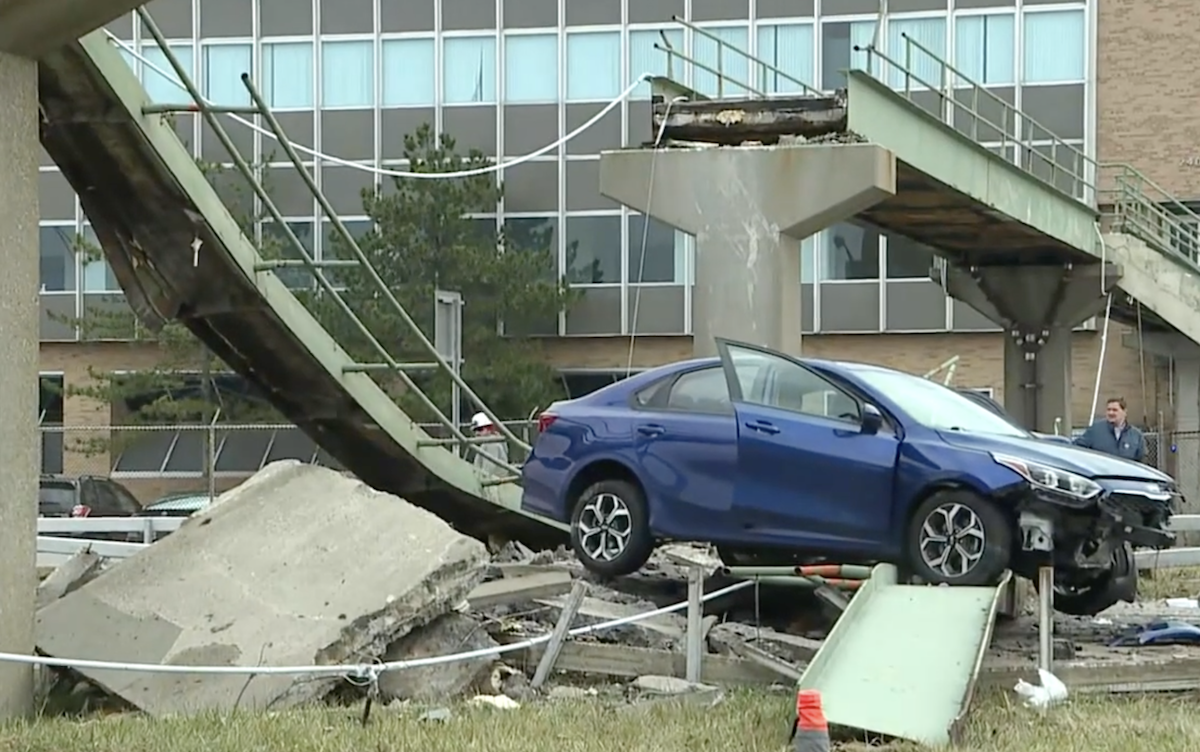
x: 762, y: 70
x: 386, y: 363
x: 1129, y: 201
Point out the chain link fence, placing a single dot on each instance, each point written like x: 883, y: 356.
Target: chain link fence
x: 158, y: 461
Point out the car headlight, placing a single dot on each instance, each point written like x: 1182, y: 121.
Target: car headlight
x: 1051, y: 478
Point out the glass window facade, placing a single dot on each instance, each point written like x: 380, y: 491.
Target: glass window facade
x: 351, y: 80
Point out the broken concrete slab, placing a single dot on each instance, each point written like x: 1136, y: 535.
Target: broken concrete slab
x: 452, y: 633
x: 68, y: 576
x: 515, y: 589
x: 299, y: 565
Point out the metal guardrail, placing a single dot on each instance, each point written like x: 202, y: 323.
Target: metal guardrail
x: 149, y: 527
x: 1126, y: 199
x: 761, y: 68
x: 1173, y: 558
x: 51, y: 551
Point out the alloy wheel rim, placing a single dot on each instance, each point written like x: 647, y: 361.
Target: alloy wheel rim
x: 605, y: 526
x: 952, y: 540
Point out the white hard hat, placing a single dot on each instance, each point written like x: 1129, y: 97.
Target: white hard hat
x: 480, y: 420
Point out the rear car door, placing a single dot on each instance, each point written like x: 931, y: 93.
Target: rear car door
x: 808, y: 475
x: 685, y: 444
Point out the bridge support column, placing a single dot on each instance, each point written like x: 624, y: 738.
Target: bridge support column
x: 1037, y: 306
x: 748, y: 208
x: 19, y: 445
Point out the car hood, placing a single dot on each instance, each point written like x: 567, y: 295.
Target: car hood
x: 1066, y: 456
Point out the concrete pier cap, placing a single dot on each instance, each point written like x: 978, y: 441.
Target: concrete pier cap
x: 1038, y: 306
x: 31, y: 28
x: 749, y: 207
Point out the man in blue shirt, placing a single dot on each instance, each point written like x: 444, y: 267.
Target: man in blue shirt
x: 1114, y: 435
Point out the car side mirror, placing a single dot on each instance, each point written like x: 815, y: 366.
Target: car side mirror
x: 872, y: 419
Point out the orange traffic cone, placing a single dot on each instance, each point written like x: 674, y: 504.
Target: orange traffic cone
x: 810, y: 731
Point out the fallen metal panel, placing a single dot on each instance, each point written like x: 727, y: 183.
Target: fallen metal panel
x: 903, y: 659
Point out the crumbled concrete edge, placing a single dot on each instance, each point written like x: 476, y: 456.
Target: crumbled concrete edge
x: 365, y: 639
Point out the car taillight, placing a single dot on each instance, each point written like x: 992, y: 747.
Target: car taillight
x: 80, y: 510
x: 544, y: 421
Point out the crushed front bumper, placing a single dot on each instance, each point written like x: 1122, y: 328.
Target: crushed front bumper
x: 1140, y: 520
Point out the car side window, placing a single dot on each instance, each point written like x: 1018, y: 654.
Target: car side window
x: 702, y: 391
x: 778, y: 382
x: 650, y: 395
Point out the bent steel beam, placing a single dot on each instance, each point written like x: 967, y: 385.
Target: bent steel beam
x: 179, y: 253
x: 748, y: 208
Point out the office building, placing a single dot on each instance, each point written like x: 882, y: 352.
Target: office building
x: 351, y: 78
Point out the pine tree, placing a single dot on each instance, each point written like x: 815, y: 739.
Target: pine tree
x: 424, y: 238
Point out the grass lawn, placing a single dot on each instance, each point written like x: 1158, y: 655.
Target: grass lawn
x: 1170, y: 583
x: 745, y: 722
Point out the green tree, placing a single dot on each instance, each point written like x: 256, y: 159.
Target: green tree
x: 184, y: 385
x: 424, y: 238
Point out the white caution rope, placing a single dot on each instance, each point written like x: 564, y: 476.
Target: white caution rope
x: 368, y: 671
x: 497, y: 167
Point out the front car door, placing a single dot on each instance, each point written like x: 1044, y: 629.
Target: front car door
x: 685, y: 441
x: 808, y: 476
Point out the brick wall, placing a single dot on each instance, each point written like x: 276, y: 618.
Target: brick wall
x: 1147, y: 91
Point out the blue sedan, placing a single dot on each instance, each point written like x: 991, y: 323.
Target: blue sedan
x: 778, y: 458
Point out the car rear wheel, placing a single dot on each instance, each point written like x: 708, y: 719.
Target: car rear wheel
x: 610, y: 528
x: 957, y: 537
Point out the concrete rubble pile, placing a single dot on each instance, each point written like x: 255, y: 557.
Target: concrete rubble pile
x: 301, y: 565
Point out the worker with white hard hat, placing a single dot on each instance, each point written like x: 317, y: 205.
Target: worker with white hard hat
x: 483, y: 426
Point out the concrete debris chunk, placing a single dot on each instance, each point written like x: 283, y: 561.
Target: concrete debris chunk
x: 453, y: 633
x: 299, y: 565
x: 68, y: 576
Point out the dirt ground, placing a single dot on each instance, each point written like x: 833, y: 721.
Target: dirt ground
x: 752, y: 722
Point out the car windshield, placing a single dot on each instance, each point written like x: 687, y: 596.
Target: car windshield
x: 935, y: 406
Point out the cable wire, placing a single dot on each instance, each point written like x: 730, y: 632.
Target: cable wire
x: 646, y: 216
x: 486, y: 170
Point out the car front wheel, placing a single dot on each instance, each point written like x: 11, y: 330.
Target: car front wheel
x: 957, y: 537
x: 610, y: 528
x: 1088, y: 599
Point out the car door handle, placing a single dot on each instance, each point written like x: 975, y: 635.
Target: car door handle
x: 651, y: 429
x: 764, y: 426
